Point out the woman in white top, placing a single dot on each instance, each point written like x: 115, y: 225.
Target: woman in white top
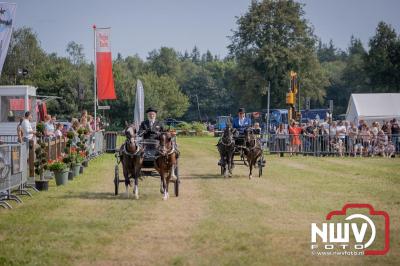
x: 58, y: 133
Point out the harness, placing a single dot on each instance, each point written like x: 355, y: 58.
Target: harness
x: 254, y: 146
x: 226, y: 144
x: 138, y: 151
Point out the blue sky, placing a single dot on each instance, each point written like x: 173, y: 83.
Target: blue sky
x: 139, y: 26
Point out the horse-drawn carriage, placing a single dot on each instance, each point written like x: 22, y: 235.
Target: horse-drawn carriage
x: 150, y: 157
x: 241, y: 149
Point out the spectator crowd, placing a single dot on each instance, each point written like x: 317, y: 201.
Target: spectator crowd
x: 54, y: 129
x: 341, y: 138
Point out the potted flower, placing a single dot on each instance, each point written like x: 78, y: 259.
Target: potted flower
x: 69, y: 159
x: 40, y: 159
x: 69, y: 162
x: 81, y: 145
x: 78, y: 164
x: 60, y: 170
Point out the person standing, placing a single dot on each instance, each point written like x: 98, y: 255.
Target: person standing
x: 28, y: 132
x: 395, y: 130
x: 281, y: 135
x: 49, y: 127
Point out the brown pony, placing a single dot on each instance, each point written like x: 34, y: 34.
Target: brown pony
x: 253, y: 149
x: 131, y: 155
x: 165, y: 162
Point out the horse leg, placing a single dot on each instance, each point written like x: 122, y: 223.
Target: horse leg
x: 226, y: 166
x: 172, y: 172
x: 230, y: 165
x: 164, y: 183
x: 250, y: 160
x: 127, y: 182
x: 136, y: 186
x: 168, y: 178
x: 161, y: 186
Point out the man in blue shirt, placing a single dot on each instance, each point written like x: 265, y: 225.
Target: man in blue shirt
x: 241, y: 122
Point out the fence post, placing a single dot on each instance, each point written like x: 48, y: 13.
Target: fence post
x: 31, y: 146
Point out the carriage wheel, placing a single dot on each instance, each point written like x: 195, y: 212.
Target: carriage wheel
x: 177, y: 181
x: 176, y: 186
x: 116, y: 179
x: 260, y: 166
x: 176, y: 170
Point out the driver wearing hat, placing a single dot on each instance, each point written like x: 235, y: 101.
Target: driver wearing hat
x: 241, y: 122
x: 151, y: 127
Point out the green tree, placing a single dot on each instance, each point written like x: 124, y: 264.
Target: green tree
x: 163, y: 93
x: 382, y: 61
x: 164, y: 62
x: 24, y: 53
x: 272, y: 38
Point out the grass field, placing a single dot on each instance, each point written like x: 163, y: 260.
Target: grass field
x: 215, y: 221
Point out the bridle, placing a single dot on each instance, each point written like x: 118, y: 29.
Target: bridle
x: 163, y: 144
x: 227, y: 140
x: 130, y: 141
x: 252, y: 141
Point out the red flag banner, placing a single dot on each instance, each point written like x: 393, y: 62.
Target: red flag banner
x: 105, y: 80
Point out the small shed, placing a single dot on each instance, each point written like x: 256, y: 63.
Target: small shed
x: 14, y: 102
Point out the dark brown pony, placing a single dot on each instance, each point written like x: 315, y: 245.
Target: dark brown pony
x: 226, y: 148
x: 253, y: 149
x: 165, y: 162
x: 131, y: 154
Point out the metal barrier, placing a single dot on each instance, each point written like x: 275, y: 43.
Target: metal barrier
x: 111, y: 141
x: 13, y: 172
x: 319, y: 145
x: 97, y: 144
x: 8, y: 139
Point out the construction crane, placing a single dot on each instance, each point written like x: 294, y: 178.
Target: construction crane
x: 291, y: 97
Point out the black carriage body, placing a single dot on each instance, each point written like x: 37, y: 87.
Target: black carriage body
x: 150, y: 149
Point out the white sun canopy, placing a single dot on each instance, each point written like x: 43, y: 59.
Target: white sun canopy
x: 373, y: 107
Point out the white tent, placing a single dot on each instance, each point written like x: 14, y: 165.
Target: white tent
x: 373, y: 107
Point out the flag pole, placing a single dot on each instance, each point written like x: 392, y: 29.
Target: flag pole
x: 95, y: 79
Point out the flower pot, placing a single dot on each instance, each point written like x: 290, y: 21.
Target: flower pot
x: 42, y: 185
x: 76, y: 168
x: 85, y: 163
x: 70, y: 175
x: 61, y: 177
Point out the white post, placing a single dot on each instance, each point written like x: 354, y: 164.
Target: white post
x: 95, y: 79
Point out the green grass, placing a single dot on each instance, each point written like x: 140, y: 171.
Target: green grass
x: 215, y: 221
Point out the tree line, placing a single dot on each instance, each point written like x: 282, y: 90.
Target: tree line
x: 270, y: 39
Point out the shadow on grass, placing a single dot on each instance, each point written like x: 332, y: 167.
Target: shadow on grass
x: 101, y: 195
x: 213, y: 176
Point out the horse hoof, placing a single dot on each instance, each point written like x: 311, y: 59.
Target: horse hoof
x: 250, y: 176
x: 165, y: 198
x: 136, y: 196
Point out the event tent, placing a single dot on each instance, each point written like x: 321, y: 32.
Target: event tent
x: 373, y: 107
